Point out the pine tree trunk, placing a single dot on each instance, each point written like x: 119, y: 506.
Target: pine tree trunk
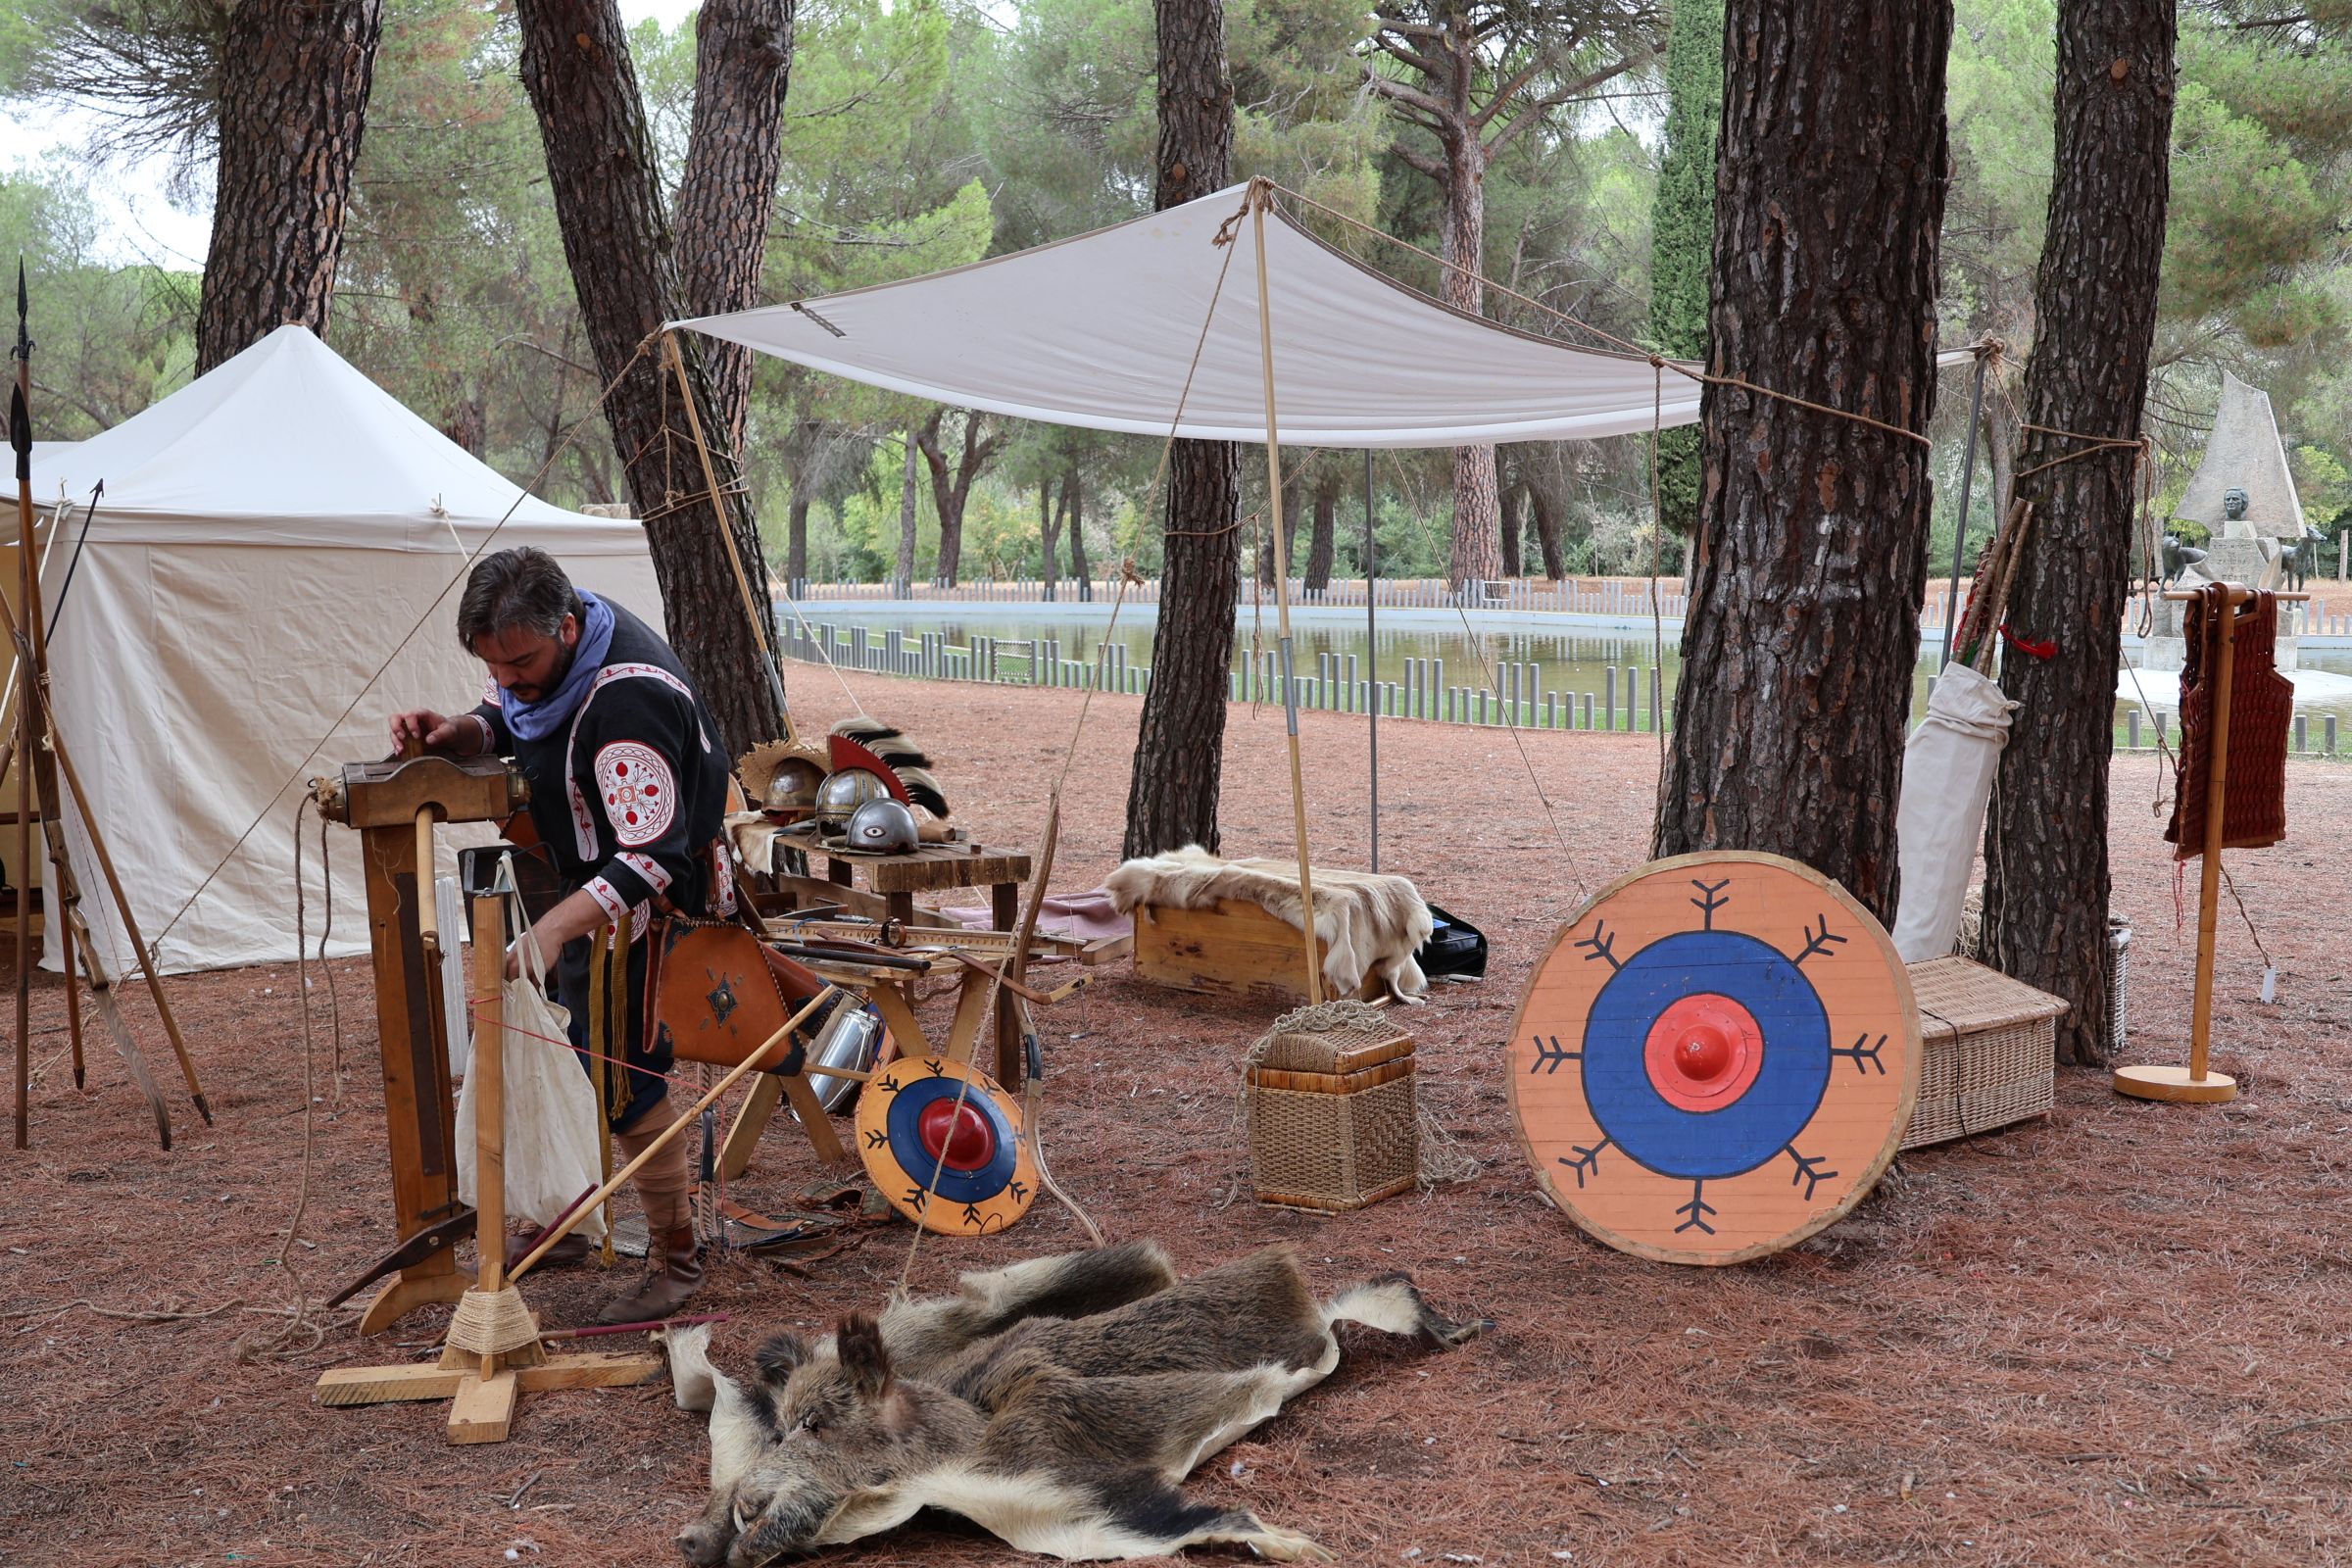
x: 1477, y: 498
x: 1049, y: 524
x: 796, y: 542
x: 1804, y: 622
x: 1180, y: 747
x: 2047, y: 872
x: 294, y: 81
x: 903, y: 585
x: 1073, y: 494
x: 601, y: 171
x: 1513, y: 528
x: 1548, y: 532
x: 742, y: 63
x: 1320, y: 547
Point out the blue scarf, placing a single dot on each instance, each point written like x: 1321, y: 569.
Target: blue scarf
x: 531, y: 721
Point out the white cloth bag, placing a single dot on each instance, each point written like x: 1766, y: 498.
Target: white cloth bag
x: 553, y: 1152
x: 1947, y: 782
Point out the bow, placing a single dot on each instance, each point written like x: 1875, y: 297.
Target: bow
x: 1033, y: 1055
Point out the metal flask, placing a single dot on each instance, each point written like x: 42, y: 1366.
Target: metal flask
x: 849, y: 1040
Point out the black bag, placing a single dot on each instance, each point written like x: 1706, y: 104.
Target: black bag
x: 1455, y: 949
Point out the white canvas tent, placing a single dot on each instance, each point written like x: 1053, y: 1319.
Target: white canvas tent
x: 268, y: 536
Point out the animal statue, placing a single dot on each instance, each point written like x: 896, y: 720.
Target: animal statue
x: 2303, y: 557
x: 1058, y: 1403
x: 2174, y: 554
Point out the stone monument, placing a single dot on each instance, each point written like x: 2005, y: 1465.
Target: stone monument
x: 2244, y: 497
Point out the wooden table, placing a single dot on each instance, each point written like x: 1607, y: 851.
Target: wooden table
x: 939, y: 867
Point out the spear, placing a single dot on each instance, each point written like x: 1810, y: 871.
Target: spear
x: 19, y: 440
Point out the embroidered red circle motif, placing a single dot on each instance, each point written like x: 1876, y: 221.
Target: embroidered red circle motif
x: 640, y: 794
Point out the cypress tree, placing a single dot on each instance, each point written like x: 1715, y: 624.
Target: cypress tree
x: 1683, y: 230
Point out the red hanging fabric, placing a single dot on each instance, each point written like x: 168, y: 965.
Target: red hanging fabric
x: 2262, y: 710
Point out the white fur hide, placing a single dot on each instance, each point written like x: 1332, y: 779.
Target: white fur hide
x: 699, y: 1386
x: 1374, y: 925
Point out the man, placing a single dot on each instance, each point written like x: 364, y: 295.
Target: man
x: 628, y: 785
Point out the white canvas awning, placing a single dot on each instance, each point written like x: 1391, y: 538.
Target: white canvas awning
x: 1100, y: 331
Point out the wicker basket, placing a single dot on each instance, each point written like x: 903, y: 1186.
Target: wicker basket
x: 1989, y: 1053
x: 1332, y: 1123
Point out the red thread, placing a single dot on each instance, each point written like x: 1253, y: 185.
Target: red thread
x: 2046, y: 649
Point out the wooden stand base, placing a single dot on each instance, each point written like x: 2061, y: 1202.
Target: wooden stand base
x: 2174, y: 1083
x: 482, y: 1388
x: 482, y: 1409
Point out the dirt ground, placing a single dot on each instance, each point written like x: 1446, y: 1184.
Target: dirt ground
x: 2117, y: 1336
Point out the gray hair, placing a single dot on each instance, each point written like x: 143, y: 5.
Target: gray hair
x: 513, y: 588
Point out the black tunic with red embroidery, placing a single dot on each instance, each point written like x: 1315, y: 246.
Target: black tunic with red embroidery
x: 627, y: 794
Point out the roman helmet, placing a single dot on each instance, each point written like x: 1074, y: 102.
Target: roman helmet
x: 791, y: 793
x: 842, y: 792
x: 882, y: 827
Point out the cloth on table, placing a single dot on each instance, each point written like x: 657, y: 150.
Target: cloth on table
x: 1088, y: 916
x: 2262, y: 710
x: 1374, y: 923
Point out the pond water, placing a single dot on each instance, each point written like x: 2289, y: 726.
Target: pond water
x: 1572, y: 657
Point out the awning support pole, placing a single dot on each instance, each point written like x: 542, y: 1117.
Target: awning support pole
x: 1261, y: 194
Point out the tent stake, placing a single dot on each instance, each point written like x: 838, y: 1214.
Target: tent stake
x: 1261, y: 192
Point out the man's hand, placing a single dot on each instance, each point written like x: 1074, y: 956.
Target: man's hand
x: 576, y: 916
x: 438, y: 735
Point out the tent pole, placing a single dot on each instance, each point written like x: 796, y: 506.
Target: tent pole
x: 1261, y: 193
x: 1372, y: 652
x: 1968, y: 473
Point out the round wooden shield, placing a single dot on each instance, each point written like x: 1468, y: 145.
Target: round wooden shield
x: 1717, y: 1058
x: 910, y: 1117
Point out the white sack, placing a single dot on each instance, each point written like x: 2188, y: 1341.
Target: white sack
x: 553, y: 1148
x: 1948, y: 781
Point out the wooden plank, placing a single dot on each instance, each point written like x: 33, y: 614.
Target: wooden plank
x: 972, y: 1001
x: 813, y: 1120
x: 1004, y: 909
x: 588, y: 1372
x: 483, y: 1409
x: 386, y: 1385
x: 758, y: 1107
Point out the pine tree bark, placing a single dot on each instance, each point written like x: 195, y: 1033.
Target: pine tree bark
x: 1548, y: 531
x: 575, y: 67
x: 1073, y: 493
x: 1048, y: 526
x: 294, y: 82
x: 734, y: 153
x: 1804, y: 623
x: 1514, y: 526
x: 903, y: 583
x: 2047, y: 876
x: 1477, y: 496
x: 796, y: 542
x: 1180, y: 747
x: 952, y: 484
x: 1325, y: 539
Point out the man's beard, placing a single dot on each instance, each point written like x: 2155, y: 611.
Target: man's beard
x: 538, y: 693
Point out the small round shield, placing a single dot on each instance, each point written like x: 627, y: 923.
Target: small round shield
x: 946, y: 1147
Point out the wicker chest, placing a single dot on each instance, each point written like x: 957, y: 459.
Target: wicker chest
x: 1332, y: 1122
x: 1988, y: 1050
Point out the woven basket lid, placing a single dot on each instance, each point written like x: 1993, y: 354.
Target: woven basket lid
x: 1338, y: 1037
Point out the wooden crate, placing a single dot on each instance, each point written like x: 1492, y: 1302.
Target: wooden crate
x: 1233, y: 950
x: 1988, y: 1050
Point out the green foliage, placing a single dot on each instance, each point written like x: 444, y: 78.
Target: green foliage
x: 112, y: 339
x: 1683, y: 232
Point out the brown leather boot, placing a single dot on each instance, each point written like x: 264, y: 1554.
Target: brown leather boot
x: 675, y: 1274
x: 572, y: 1249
